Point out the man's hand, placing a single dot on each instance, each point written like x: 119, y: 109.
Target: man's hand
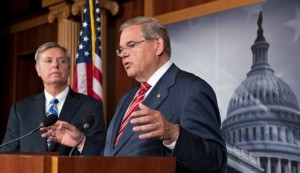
x: 154, y: 124
x: 64, y: 133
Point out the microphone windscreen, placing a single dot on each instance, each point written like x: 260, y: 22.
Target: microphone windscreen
x: 88, y: 121
x: 50, y: 120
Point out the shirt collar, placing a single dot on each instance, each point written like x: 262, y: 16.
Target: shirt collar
x: 61, y: 97
x: 159, y: 73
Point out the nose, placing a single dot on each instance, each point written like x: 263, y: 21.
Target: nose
x: 124, y: 53
x: 55, y: 63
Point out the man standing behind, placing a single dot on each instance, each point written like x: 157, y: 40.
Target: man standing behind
x: 53, y: 66
x: 171, y: 113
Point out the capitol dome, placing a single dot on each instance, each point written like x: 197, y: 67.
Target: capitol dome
x: 260, y: 90
x: 263, y: 116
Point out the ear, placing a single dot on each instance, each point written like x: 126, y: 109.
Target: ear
x: 159, y: 46
x: 37, y: 68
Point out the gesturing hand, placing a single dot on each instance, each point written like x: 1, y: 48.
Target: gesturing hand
x: 64, y: 133
x: 154, y: 124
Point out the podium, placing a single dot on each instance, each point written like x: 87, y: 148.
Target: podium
x: 40, y: 163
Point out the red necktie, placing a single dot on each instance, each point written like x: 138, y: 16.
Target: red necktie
x: 138, y: 98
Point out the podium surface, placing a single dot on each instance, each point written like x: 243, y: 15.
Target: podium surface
x: 23, y: 163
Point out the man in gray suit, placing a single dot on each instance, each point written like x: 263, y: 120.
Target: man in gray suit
x: 178, y: 117
x: 53, y: 67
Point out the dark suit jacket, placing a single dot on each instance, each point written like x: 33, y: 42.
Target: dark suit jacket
x: 183, y: 99
x: 27, y: 115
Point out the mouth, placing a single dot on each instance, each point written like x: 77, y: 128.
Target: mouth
x: 127, y: 65
x: 54, y: 73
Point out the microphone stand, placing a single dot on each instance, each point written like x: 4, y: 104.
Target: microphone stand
x: 8, y: 142
x: 73, y: 148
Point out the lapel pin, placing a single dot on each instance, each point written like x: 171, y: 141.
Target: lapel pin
x: 158, y: 96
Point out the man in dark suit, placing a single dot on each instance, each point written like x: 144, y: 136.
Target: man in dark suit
x: 53, y: 66
x: 179, y: 115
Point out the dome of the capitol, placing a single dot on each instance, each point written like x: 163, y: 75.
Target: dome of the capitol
x: 262, y: 89
x: 263, y: 116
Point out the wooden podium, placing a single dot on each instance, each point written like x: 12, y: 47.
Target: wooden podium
x: 41, y: 163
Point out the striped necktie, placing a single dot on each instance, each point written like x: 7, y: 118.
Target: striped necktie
x: 53, y: 108
x: 54, y: 111
x: 138, y: 98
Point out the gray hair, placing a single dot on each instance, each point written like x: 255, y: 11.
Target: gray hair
x: 151, y: 29
x: 49, y: 45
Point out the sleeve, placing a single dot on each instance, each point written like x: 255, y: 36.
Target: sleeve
x: 95, y: 137
x: 200, y: 145
x: 12, y: 132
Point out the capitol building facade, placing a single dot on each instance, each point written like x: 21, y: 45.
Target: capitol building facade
x: 262, y: 127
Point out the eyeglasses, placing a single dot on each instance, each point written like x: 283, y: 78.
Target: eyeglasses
x: 129, y: 46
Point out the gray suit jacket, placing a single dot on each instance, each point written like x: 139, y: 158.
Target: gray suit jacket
x: 27, y: 114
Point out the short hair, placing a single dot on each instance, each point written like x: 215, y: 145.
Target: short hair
x: 151, y: 29
x: 49, y: 45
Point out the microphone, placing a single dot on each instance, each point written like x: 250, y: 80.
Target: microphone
x: 88, y: 122
x: 50, y: 120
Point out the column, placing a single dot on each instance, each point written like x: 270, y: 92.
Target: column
x: 68, y: 36
x: 268, y: 165
x: 279, y: 166
x: 298, y: 166
x: 289, y: 166
x: 286, y: 168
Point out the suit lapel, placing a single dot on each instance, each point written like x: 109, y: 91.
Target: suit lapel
x: 161, y: 90
x: 157, y: 95
x: 37, y: 115
x: 70, y: 107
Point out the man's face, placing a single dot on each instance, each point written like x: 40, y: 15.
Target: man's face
x: 139, y: 56
x: 52, y: 66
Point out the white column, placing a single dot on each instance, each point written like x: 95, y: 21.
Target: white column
x: 289, y: 166
x: 269, y: 165
x: 294, y: 169
x: 279, y: 166
x: 286, y: 168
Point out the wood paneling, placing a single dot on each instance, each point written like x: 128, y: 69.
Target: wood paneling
x: 18, y: 63
x: 166, y: 6
x: 6, y: 81
x: 26, y: 80
x: 117, y: 80
x: 29, y: 40
x: 206, y: 8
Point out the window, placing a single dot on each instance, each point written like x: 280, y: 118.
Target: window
x: 240, y: 135
x: 287, y: 135
x: 254, y: 133
x: 247, y: 134
x: 294, y: 137
x: 270, y: 134
x: 262, y: 133
x: 233, y: 136
x: 278, y: 134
